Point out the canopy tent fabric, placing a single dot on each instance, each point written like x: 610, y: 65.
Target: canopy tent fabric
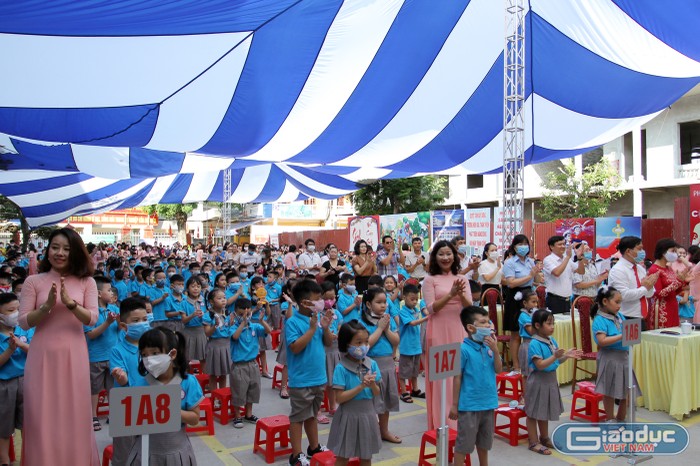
x: 142, y: 89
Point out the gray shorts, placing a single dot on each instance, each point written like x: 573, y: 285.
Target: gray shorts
x: 409, y: 367
x: 474, y: 428
x: 100, y: 377
x: 245, y: 383
x: 11, y: 406
x: 306, y: 402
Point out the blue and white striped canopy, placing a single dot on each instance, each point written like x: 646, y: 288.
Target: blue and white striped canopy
x: 135, y: 90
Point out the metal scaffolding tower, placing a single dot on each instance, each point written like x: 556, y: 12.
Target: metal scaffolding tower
x: 513, y: 121
x: 226, y: 208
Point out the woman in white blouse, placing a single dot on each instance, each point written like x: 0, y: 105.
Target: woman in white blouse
x: 491, y: 268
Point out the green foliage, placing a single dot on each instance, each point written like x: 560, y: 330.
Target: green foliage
x: 401, y: 195
x: 171, y: 211
x: 590, y: 195
x: 8, y: 211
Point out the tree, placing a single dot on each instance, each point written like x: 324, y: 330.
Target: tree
x: 589, y: 195
x: 9, y: 211
x: 401, y: 195
x: 177, y: 212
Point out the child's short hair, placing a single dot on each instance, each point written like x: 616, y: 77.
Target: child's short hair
x: 474, y: 286
x: 375, y: 280
x: 165, y: 340
x: 191, y: 280
x: 410, y: 289
x: 347, y: 333
x: 346, y: 277
x: 19, y: 272
x: 304, y: 289
x: 129, y: 305
x: 138, y: 269
x: 327, y: 286
x: 6, y: 277
x: 16, y: 283
x: 194, y: 265
x: 7, y: 298
x: 243, y: 303
x: 100, y: 281
x: 540, y: 316
x: 119, y: 274
x: 604, y: 292
x: 469, y: 313
x: 177, y: 278
x: 526, y: 294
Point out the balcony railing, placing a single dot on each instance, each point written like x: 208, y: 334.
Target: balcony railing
x: 689, y: 171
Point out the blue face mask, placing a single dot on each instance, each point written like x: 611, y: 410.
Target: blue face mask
x: 243, y: 275
x: 358, y: 352
x: 522, y: 250
x: 641, y: 255
x: 134, y: 331
x: 235, y: 286
x: 149, y: 317
x: 160, y: 283
x: 481, y: 333
x: 588, y: 255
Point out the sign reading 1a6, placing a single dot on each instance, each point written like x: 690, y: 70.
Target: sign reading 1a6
x: 144, y: 410
x: 444, y: 361
x: 631, y: 332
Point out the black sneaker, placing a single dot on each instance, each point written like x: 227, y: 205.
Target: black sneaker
x: 320, y: 448
x: 299, y: 460
x: 253, y: 419
x: 238, y: 423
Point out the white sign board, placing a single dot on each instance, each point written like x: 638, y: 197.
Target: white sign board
x: 144, y: 410
x: 631, y: 332
x: 444, y: 361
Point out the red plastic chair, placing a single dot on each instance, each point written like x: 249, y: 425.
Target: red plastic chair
x: 582, y: 338
x: 541, y: 296
x: 491, y: 298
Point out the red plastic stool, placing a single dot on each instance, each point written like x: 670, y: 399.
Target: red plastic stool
x: 511, y: 429
x: 509, y: 386
x: 106, y: 455
x: 206, y: 410
x: 277, y: 376
x: 259, y: 364
x: 195, y: 367
x: 591, y: 410
x: 275, y: 335
x: 225, y: 411
x: 276, y: 430
x: 12, y: 449
x: 203, y: 380
x: 102, y: 404
x: 327, y: 458
x: 430, y: 437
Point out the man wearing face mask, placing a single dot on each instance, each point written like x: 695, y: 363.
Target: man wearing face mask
x: 559, y: 268
x: 630, y: 278
x: 309, y: 260
x: 588, y: 282
x: 250, y: 259
x: 467, y: 265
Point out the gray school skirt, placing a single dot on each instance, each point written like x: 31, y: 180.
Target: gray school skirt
x: 168, y: 449
x: 196, y: 342
x: 612, y: 379
x: 218, y: 357
x: 355, y: 430
x: 388, y: 399
x: 542, y: 397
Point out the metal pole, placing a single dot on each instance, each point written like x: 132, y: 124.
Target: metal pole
x: 144, y: 450
x: 443, y: 432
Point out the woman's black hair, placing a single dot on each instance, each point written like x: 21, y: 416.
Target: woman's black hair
x: 517, y: 239
x: 434, y: 267
x: 663, y: 245
x: 604, y: 292
x: 368, y: 297
x: 485, y: 255
x: 191, y: 280
x: 166, y: 340
x: 347, y: 332
x: 358, y: 244
x: 540, y: 316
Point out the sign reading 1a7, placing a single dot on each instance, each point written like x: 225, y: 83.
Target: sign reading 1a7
x: 444, y: 361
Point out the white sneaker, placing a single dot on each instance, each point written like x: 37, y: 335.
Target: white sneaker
x: 512, y: 373
x: 300, y: 460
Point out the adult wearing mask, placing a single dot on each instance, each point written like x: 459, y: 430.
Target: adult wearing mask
x: 490, y: 268
x: 251, y: 260
x: 445, y: 292
x: 309, y: 261
x: 630, y: 278
x: 559, y: 268
x: 333, y: 267
x: 588, y: 282
x: 664, y: 313
x: 290, y: 259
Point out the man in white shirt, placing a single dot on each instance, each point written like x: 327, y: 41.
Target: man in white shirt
x: 250, y: 259
x: 559, y: 274
x: 309, y: 261
x: 416, y: 260
x: 629, y: 277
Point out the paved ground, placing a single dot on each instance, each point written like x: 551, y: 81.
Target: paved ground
x: 233, y: 447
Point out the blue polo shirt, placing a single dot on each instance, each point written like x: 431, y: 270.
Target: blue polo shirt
x: 337, y: 322
x: 247, y: 347
x: 516, y: 268
x: 192, y: 392
x: 189, y: 309
x: 100, y: 348
x: 524, y: 319
x: 219, y: 332
x: 274, y: 292
x: 537, y: 348
x: 172, y: 304
x: 609, y: 328
x: 14, y: 367
x: 478, y: 390
x: 135, y: 287
x: 159, y: 309
x: 344, y: 379
x: 393, y: 307
x: 308, y: 367
x: 344, y: 301
x: 122, y: 290
x: 409, y: 343
x: 383, y: 346
x: 125, y: 356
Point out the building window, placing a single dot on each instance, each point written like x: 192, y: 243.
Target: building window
x: 475, y: 181
x: 690, y: 142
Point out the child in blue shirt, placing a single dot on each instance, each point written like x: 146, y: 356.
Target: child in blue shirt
x: 136, y: 282
x: 245, y: 373
x: 101, y: 338
x: 305, y: 342
x: 274, y: 293
x: 383, y: 340
x: 410, y: 348
x: 530, y: 302
x: 120, y: 285
x: 173, y: 304
x: 261, y: 311
x: 14, y: 344
x: 163, y: 362
x: 332, y: 353
x: 193, y: 306
x: 474, y: 392
x: 349, y: 303
x: 287, y: 308
x: 218, y: 330
x: 158, y: 295
x: 355, y: 432
x: 393, y: 300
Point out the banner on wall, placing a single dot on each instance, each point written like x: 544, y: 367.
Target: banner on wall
x: 498, y: 229
x: 478, y: 230
x: 695, y: 214
x: 609, y: 230
x: 576, y: 229
x: 404, y: 227
x: 446, y: 224
x: 366, y: 228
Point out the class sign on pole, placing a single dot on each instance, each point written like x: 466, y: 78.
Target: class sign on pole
x: 444, y: 361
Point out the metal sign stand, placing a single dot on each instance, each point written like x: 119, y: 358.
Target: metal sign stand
x: 443, y: 432
x: 144, y: 449
x: 443, y: 363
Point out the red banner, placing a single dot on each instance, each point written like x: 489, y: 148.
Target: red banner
x: 695, y: 213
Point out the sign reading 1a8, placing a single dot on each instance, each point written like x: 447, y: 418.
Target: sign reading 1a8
x: 144, y: 410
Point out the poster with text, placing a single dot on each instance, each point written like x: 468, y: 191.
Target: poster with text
x: 576, y: 230
x: 366, y: 228
x: 446, y: 224
x: 478, y: 230
x: 404, y: 227
x: 695, y: 214
x: 498, y: 229
x: 609, y: 230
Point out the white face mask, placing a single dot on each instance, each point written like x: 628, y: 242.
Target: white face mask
x: 157, y: 365
x: 311, y: 248
x: 493, y: 255
x: 671, y: 256
x: 10, y: 320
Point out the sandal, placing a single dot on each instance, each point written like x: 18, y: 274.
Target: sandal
x: 392, y: 439
x: 321, y: 419
x: 96, y: 426
x: 284, y: 394
x: 417, y: 394
x: 406, y: 397
x: 547, y: 442
x: 542, y: 450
